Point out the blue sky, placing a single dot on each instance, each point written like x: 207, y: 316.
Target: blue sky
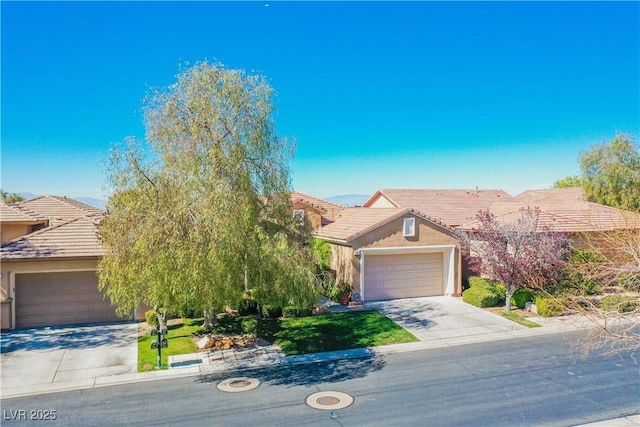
x: 376, y: 94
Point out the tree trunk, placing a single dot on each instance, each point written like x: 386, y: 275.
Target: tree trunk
x: 209, y: 319
x: 507, y: 302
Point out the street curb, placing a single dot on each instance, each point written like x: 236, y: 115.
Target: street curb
x: 199, y: 370
x: 628, y: 420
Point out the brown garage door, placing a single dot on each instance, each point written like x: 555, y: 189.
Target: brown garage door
x: 48, y: 299
x: 402, y: 276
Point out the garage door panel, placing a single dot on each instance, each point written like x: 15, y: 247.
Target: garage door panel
x: 392, y: 276
x: 48, y: 299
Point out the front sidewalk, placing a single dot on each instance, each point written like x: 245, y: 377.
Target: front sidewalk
x: 264, y: 356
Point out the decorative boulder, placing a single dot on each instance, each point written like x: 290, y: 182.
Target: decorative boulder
x: 529, y: 306
x: 205, y: 343
x: 224, y: 344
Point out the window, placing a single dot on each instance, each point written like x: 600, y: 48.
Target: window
x: 409, y: 227
x: 298, y: 216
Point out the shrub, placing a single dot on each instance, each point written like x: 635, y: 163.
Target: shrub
x: 619, y: 303
x: 495, y: 288
x: 522, y: 296
x: 291, y: 312
x: 271, y: 311
x: 190, y: 312
x: 227, y: 324
x: 500, y: 290
x: 549, y: 306
x: 630, y: 282
x: 480, y: 297
x: 151, y: 317
x: 335, y: 290
x: 249, y: 325
x: 572, y: 282
x: 247, y: 307
x: 477, y: 281
x: 322, y: 252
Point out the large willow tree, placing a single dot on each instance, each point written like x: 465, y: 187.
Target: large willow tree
x: 200, y: 211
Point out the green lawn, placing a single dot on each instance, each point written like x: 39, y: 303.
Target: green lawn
x: 313, y: 334
x: 514, y: 316
x: 180, y: 342
x: 337, y: 331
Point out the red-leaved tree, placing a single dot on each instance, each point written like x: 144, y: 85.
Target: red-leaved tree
x: 518, y: 252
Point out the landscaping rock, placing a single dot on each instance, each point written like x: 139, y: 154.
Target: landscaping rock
x: 224, y: 344
x: 529, y: 306
x: 245, y: 340
x: 205, y: 343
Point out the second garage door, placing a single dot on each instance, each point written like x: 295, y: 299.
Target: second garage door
x: 49, y: 299
x: 391, y: 276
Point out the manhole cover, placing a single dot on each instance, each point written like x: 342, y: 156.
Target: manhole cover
x: 234, y: 385
x: 240, y: 383
x: 329, y: 400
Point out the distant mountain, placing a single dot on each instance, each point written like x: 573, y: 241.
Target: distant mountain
x: 28, y: 196
x: 349, y: 200
x: 96, y: 203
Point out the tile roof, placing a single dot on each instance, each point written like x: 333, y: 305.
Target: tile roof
x: 331, y: 210
x: 59, y: 209
x: 354, y: 222
x: 75, y: 238
x: 553, y: 196
x: 15, y: 214
x: 563, y: 209
x: 452, y: 207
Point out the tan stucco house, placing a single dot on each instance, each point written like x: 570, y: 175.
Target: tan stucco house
x: 49, y: 256
x: 452, y: 207
x: 316, y: 212
x: 392, y: 253
x: 372, y: 251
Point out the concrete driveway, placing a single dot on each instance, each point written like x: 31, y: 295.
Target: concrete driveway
x: 445, y: 320
x: 70, y: 355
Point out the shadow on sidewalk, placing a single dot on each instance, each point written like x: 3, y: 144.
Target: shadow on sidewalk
x: 61, y: 337
x: 307, y: 374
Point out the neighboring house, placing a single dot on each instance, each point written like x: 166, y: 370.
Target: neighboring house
x: 316, y: 211
x: 451, y: 207
x: 392, y: 253
x: 563, y: 209
x: 49, y: 272
x: 371, y: 253
x: 16, y: 222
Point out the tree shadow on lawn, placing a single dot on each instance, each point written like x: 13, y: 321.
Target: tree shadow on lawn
x: 333, y: 332
x: 306, y: 374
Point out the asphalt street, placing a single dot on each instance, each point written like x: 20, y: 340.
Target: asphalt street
x: 533, y: 381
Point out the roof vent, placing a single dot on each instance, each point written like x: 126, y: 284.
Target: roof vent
x: 409, y: 227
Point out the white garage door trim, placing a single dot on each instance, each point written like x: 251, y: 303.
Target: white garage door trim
x: 448, y: 259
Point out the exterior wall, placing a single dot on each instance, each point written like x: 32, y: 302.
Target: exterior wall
x: 9, y: 232
x: 5, y: 314
x: 313, y: 217
x: 381, y: 202
x: 347, y: 265
x: 343, y: 264
x: 390, y: 235
x: 7, y: 281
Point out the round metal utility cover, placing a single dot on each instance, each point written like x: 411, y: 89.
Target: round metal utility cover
x: 329, y: 400
x: 235, y: 385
